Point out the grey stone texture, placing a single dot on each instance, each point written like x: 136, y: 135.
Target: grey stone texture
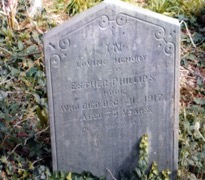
x: 112, y: 76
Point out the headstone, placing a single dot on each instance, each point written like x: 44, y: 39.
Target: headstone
x: 112, y: 75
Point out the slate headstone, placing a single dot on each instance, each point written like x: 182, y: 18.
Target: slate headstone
x: 112, y: 76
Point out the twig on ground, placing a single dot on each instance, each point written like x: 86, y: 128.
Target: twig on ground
x: 189, y: 34
x: 13, y: 150
x: 197, y: 127
x: 26, y: 140
x: 196, y: 73
x: 35, y: 134
x: 4, y: 140
x: 5, y: 79
x: 41, y: 131
x: 37, y: 161
x: 1, y: 48
x: 111, y: 174
x: 19, y: 123
x: 201, y: 135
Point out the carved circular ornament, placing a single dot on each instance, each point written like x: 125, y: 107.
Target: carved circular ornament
x: 160, y: 33
x: 64, y: 43
x: 55, y: 61
x: 121, y: 19
x: 169, y: 48
x: 104, y: 21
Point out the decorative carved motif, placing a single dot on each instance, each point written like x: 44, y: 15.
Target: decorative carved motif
x: 55, y: 61
x: 55, y: 58
x: 160, y: 36
x: 52, y: 46
x: 160, y: 33
x: 121, y: 19
x: 104, y: 21
x: 169, y: 48
x: 64, y: 43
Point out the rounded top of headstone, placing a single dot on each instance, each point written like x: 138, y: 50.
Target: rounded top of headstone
x: 107, y: 6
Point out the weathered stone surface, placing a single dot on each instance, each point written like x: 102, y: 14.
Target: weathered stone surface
x: 112, y: 75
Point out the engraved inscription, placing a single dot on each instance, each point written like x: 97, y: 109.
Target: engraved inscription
x: 117, y: 60
x: 91, y: 105
x: 94, y: 63
x: 157, y: 97
x: 110, y: 103
x: 70, y: 108
x: 136, y: 111
x: 91, y: 116
x: 89, y: 85
x: 114, y: 47
x: 133, y: 80
x: 117, y: 107
x: 113, y: 103
x: 116, y: 81
x: 113, y: 92
x: 111, y: 114
x: 135, y: 59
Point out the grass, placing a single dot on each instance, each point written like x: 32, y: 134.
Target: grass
x: 176, y: 7
x: 24, y: 128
